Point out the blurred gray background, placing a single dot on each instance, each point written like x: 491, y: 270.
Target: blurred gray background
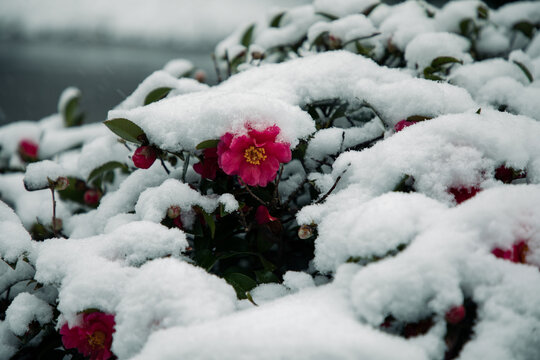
x: 106, y: 48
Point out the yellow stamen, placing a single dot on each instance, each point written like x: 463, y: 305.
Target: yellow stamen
x: 97, y: 340
x: 255, y: 155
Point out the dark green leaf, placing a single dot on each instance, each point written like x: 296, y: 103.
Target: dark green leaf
x: 210, y: 222
x: 241, y: 283
x: 483, y: 12
x: 464, y: 26
x: 525, y: 27
x: 126, y: 129
x: 276, y: 20
x: 207, y: 144
x: 443, y: 60
x: 525, y: 70
x: 418, y: 118
x: 369, y: 9
x: 479, y: 111
x: 248, y: 34
x: 71, y: 114
x: 74, y: 191
x: 10, y: 264
x: 265, y: 277
x: 156, y: 95
x: 405, y: 184
x: 319, y: 40
x: 328, y: 16
x: 111, y: 165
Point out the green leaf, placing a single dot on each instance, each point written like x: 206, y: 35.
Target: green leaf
x: 156, y: 95
x: 71, y: 114
x: 525, y: 27
x: 241, y: 283
x: 10, y: 264
x: 248, y: 34
x: 525, y: 70
x: 74, y: 191
x: 443, y: 60
x: 210, y: 222
x: 127, y: 130
x: 207, y: 144
x: 319, y: 40
x: 369, y: 9
x: 265, y: 277
x: 405, y: 184
x: 327, y: 15
x: 111, y: 165
x: 464, y: 26
x: 483, y: 12
x: 418, y: 118
x: 276, y: 20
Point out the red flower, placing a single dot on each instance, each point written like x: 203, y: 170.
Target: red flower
x: 207, y: 168
x: 178, y: 222
x: 507, y: 174
x: 402, y: 125
x: 517, y: 254
x: 262, y: 216
x: 144, y: 157
x: 93, y: 338
x: 254, y: 157
x: 455, y: 315
x: 92, y: 196
x: 28, y: 150
x: 462, y: 193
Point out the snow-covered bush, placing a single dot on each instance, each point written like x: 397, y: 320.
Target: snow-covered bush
x: 363, y: 184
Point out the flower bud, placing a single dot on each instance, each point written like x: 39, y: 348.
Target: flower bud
x: 28, y: 150
x: 257, y: 55
x: 200, y: 76
x: 455, y: 315
x: 306, y: 231
x: 402, y: 125
x: 61, y: 183
x: 92, y: 196
x: 144, y: 157
x: 173, y: 212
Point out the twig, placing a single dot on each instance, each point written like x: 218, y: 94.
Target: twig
x: 53, y: 211
x: 329, y: 191
x: 216, y: 68
x: 229, y: 69
x: 164, y: 166
x: 251, y: 193
x: 276, y: 192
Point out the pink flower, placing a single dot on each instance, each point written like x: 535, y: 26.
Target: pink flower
x: 507, y: 174
x: 92, y: 196
x: 402, y: 125
x: 207, y: 168
x: 455, y: 315
x: 254, y: 157
x: 144, y: 157
x: 517, y: 254
x: 93, y: 338
x: 28, y: 150
x: 462, y: 194
x: 262, y: 216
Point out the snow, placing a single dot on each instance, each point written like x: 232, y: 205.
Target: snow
x: 322, y: 316
x: 24, y: 309
x: 39, y: 175
x: 428, y: 46
x: 380, y: 252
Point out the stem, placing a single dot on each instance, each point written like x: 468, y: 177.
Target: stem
x: 329, y: 191
x: 276, y: 191
x: 53, y: 212
x: 251, y: 193
x: 216, y: 68
x: 229, y: 69
x: 360, y: 38
x: 164, y: 166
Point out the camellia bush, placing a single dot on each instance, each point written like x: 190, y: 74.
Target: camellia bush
x: 362, y: 183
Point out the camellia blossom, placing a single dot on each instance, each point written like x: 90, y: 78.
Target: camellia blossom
x: 93, y: 337
x: 517, y: 254
x: 254, y: 157
x: 207, y: 168
x: 28, y: 150
x: 455, y: 315
x: 462, y: 194
x: 144, y: 157
x: 402, y: 125
x: 92, y: 196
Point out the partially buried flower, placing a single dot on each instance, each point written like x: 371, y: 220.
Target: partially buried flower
x: 93, y: 337
x: 517, y: 254
x: 207, y: 168
x: 402, y: 125
x: 254, y: 157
